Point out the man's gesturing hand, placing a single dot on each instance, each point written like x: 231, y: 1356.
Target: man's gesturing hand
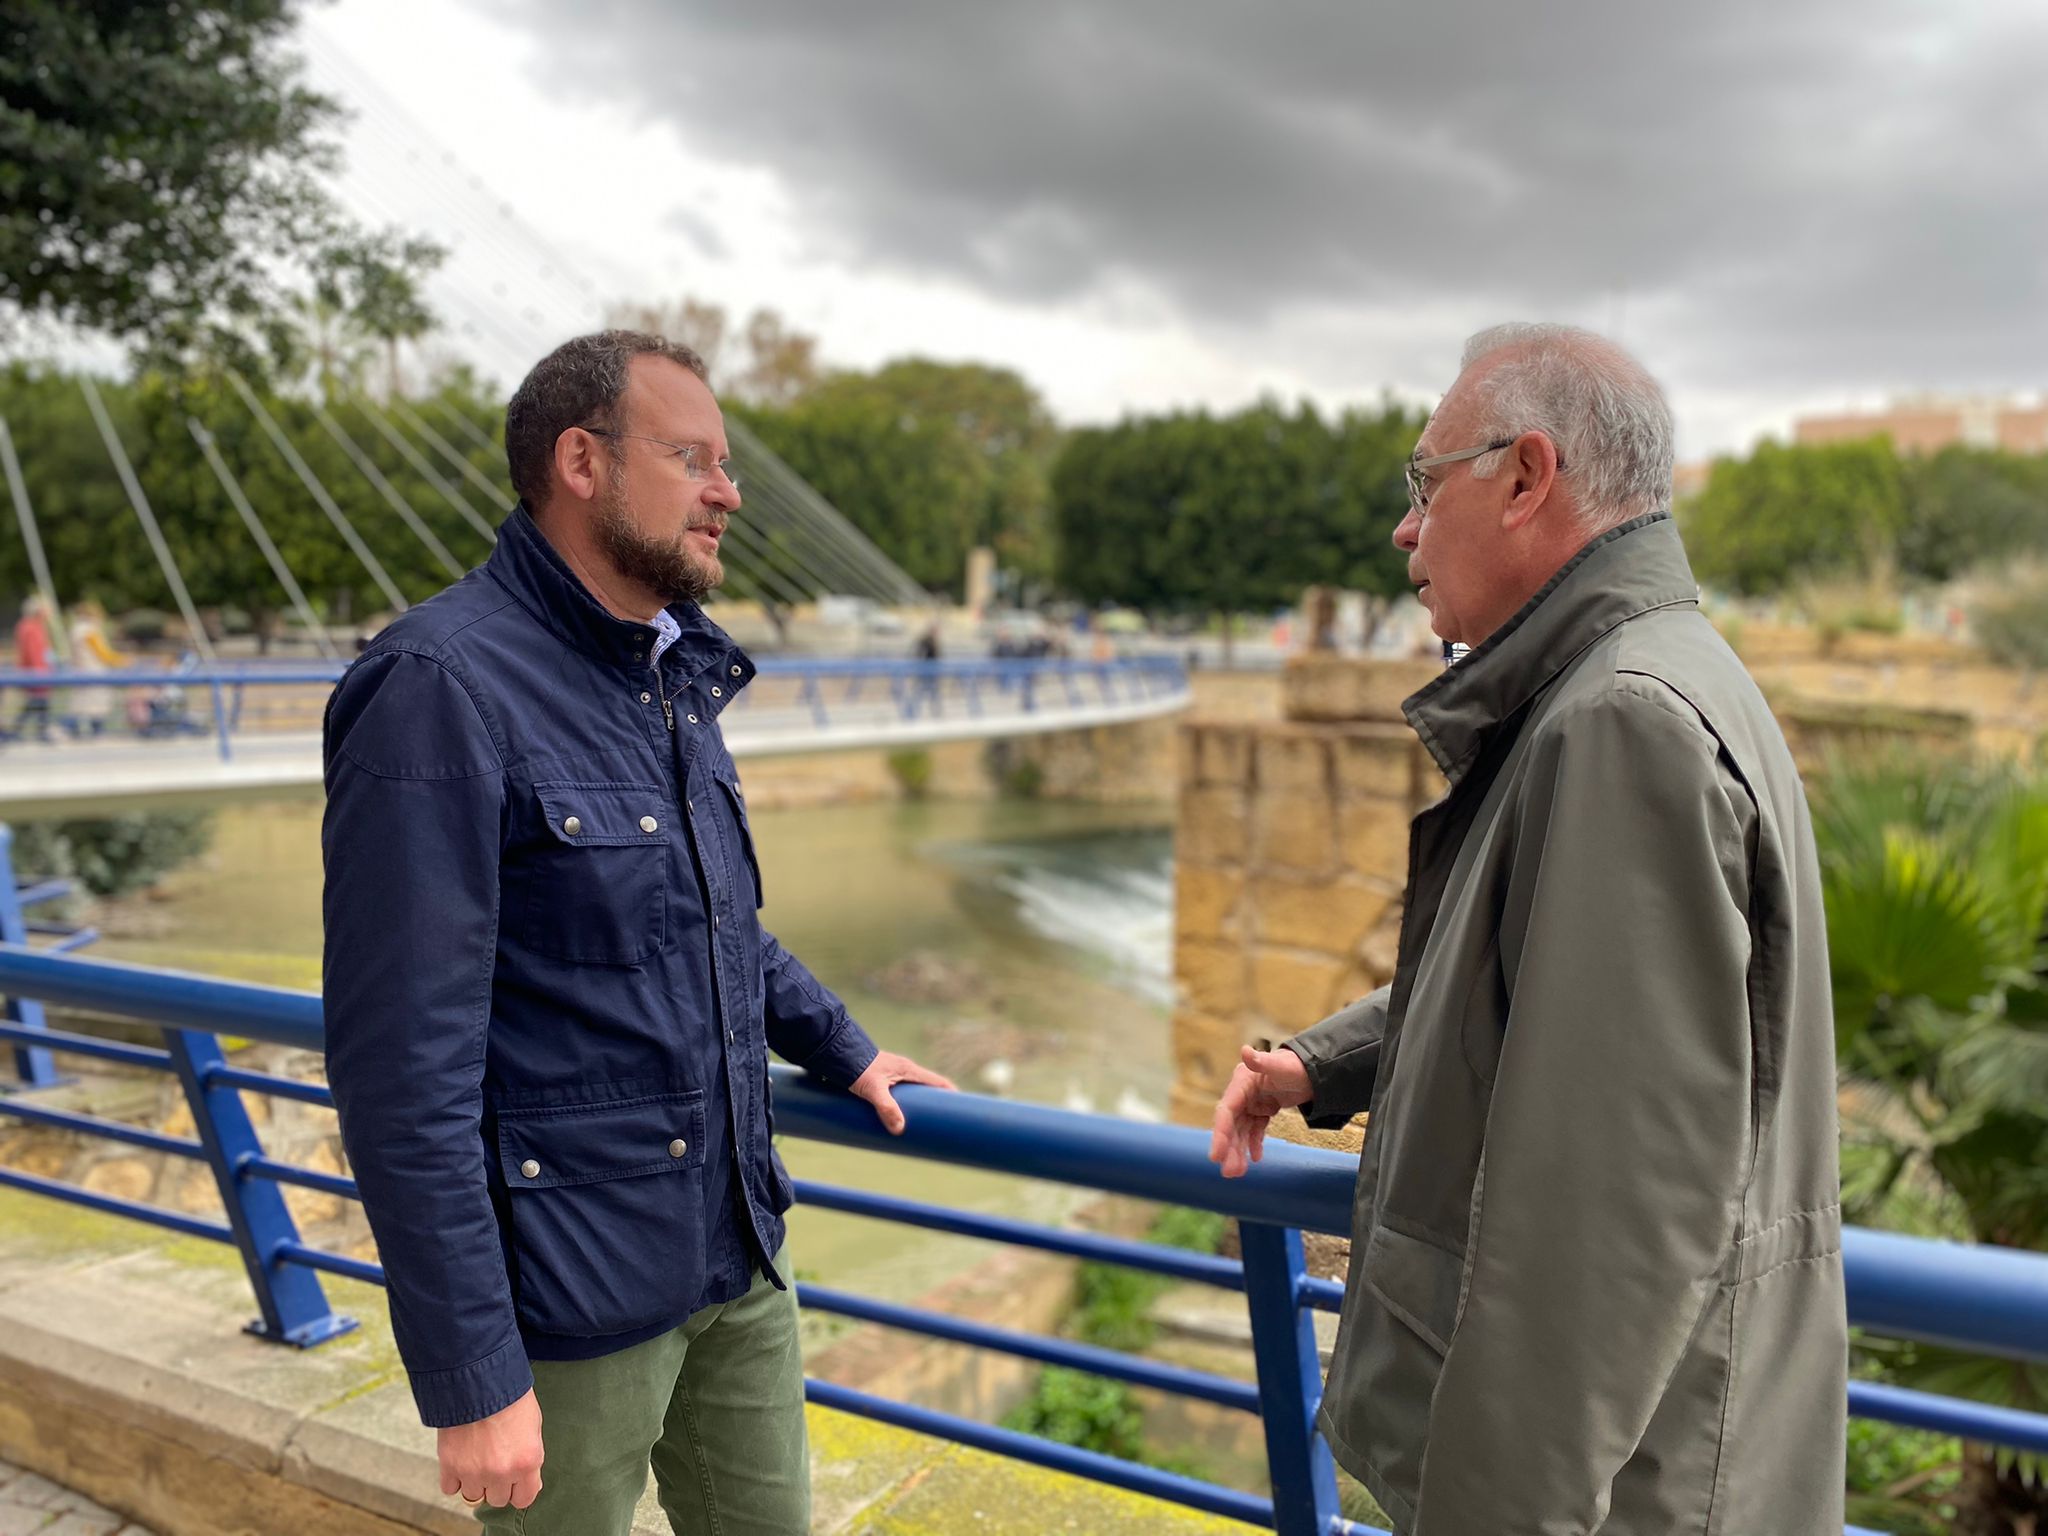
x: 1263, y: 1084
x: 883, y: 1073
x: 495, y: 1460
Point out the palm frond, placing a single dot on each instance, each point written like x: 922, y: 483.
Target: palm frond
x: 1910, y: 920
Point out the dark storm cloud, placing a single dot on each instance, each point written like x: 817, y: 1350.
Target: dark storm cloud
x: 1811, y: 189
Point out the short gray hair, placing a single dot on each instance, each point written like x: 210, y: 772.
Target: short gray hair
x: 1599, y: 406
x: 576, y: 385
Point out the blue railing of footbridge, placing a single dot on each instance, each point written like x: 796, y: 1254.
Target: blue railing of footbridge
x: 191, y: 701
x: 1991, y: 1301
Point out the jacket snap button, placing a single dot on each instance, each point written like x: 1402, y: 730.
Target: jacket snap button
x: 529, y: 1169
x: 693, y: 719
x: 649, y: 824
x: 715, y: 693
x: 646, y: 698
x: 572, y: 825
x: 678, y: 1147
x: 735, y: 671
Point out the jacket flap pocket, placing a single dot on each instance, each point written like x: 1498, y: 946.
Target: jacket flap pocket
x: 589, y: 1143
x: 603, y: 814
x: 1417, y: 1281
x: 731, y: 785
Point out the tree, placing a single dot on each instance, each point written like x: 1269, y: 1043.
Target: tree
x: 371, y: 284
x: 1787, y: 515
x: 95, y: 547
x: 159, y: 172
x: 916, y: 486
x: 782, y: 363
x: 1008, y: 423
x: 1194, y: 513
x: 1969, y: 508
x: 700, y: 326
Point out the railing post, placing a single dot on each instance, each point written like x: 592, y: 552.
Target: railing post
x: 294, y: 1307
x: 1290, y: 1380
x: 32, y: 1064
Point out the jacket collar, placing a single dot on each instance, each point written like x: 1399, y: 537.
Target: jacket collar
x: 527, y: 566
x: 1625, y: 572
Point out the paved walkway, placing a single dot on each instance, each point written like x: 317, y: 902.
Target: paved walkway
x: 32, y: 1504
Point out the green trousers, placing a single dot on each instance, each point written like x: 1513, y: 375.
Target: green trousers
x: 716, y: 1407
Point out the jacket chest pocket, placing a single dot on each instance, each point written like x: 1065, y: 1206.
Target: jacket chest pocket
x: 592, y: 888
x: 738, y: 801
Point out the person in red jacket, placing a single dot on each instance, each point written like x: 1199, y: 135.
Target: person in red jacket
x: 32, y: 654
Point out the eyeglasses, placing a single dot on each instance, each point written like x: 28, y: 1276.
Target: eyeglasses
x: 696, y: 458
x: 1421, y: 487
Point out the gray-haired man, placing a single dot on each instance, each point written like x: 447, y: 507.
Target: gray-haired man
x: 1596, y: 1278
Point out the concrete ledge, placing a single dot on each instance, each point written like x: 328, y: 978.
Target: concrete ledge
x: 124, y: 1374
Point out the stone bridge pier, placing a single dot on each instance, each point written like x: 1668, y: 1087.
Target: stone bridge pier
x: 1291, y: 857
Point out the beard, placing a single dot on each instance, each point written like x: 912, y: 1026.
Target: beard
x: 669, y: 568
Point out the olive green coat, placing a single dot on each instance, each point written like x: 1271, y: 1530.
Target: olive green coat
x: 1596, y: 1275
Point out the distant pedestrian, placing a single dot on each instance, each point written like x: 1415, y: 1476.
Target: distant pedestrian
x: 32, y: 654
x: 93, y: 705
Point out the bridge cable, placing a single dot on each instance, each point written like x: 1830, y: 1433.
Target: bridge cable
x: 147, y: 517
x: 757, y: 568
x: 271, y: 554
x: 538, y: 267
x: 38, y: 562
x: 865, y: 569
x: 448, y: 451
x: 319, y: 493
x: 468, y: 428
x: 762, y: 463
x: 457, y: 183
x: 390, y: 493
x: 427, y: 472
x: 829, y: 568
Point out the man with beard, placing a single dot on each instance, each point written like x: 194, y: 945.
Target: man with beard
x: 549, y: 998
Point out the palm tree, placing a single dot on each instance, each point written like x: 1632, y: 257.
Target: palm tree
x: 1935, y: 877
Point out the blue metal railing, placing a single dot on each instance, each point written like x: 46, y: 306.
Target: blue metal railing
x: 822, y: 689
x: 1987, y: 1300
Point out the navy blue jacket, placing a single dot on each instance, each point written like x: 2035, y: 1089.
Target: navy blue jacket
x: 549, y: 999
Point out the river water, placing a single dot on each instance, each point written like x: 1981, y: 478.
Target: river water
x: 1022, y: 947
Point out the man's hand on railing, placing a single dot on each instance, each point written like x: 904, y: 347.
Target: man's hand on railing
x: 883, y: 1073
x: 495, y: 1460
x: 1264, y: 1083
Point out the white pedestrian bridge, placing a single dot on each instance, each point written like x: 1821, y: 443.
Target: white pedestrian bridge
x: 203, y: 733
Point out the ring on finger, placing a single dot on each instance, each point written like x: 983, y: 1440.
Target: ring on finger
x: 472, y: 1503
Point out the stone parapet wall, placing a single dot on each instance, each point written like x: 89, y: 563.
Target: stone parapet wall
x: 1291, y: 858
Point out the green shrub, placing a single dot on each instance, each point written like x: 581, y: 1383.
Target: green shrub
x: 1078, y: 1409
x: 912, y: 770
x: 114, y: 855
x: 1024, y: 779
x: 1182, y: 1226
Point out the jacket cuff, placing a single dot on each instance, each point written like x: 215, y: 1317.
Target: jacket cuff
x: 474, y: 1391
x: 1338, y: 1095
x: 846, y: 1053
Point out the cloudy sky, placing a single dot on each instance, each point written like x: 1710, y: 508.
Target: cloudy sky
x: 1145, y: 203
